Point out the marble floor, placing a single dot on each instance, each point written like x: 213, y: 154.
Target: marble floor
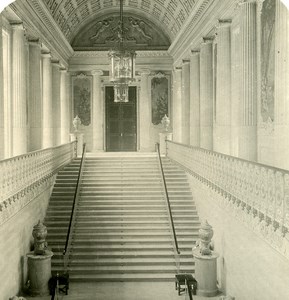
x: 123, y: 291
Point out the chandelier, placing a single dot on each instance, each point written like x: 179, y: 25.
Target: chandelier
x: 122, y: 64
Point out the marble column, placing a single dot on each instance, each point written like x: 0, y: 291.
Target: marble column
x: 97, y: 112
x: 145, y: 112
x: 195, y: 98
x: 248, y: 107
x: 35, y: 96
x: 56, y: 107
x: 177, y: 108
x: 64, y: 107
x: 281, y: 95
x: 19, y: 90
x: 2, y: 140
x: 47, y: 137
x: 206, y: 94
x: 186, y: 102
x: 222, y: 134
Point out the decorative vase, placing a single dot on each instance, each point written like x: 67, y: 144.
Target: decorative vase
x: 166, y: 122
x: 76, y: 123
x: 39, y: 234
x: 205, y: 234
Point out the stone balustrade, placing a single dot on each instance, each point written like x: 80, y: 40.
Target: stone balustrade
x: 23, y: 177
x: 255, y: 193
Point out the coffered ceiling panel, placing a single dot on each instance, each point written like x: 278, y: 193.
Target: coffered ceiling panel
x: 73, y: 15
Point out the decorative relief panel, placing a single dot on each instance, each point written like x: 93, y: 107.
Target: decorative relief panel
x: 268, y: 60
x: 159, y: 97
x: 82, y: 98
x: 103, y: 34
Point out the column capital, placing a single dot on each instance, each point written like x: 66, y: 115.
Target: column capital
x: 185, y: 61
x: 144, y: 72
x: 224, y: 23
x: 55, y: 63
x: 96, y: 72
x: 63, y: 70
x: 178, y: 69
x: 195, y: 52
x: 17, y: 26
x: 208, y: 39
x: 46, y: 55
x: 34, y: 42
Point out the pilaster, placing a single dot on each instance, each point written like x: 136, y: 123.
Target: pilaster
x: 186, y: 102
x: 144, y: 108
x: 177, y: 102
x: 248, y: 109
x: 281, y: 101
x: 206, y: 94
x: 47, y: 138
x: 195, y: 98
x: 64, y: 106
x: 35, y: 97
x: 56, y: 106
x: 222, y: 130
x: 97, y: 112
x: 1, y: 96
x: 19, y: 90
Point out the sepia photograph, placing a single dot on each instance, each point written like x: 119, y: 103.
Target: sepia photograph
x: 144, y: 150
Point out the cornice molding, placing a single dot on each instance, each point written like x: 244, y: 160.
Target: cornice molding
x: 104, y: 54
x: 39, y: 23
x: 199, y: 25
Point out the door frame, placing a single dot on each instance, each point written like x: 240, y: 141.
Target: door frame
x: 137, y: 117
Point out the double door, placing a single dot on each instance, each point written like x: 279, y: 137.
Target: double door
x: 121, y: 129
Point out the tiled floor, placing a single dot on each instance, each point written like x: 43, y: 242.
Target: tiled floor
x: 123, y: 291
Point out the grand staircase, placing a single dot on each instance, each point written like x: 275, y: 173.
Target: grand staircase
x: 122, y: 231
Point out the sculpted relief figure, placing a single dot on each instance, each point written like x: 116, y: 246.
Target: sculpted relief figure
x: 138, y: 24
x: 103, y: 26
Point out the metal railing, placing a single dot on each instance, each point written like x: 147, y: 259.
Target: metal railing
x: 66, y: 250
x: 172, y: 226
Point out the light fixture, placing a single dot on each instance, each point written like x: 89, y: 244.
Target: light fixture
x: 122, y: 62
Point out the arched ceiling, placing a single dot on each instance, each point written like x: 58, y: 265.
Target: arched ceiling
x: 73, y: 15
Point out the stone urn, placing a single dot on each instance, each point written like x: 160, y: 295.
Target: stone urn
x: 166, y: 123
x: 39, y: 234
x: 205, y: 234
x: 76, y: 123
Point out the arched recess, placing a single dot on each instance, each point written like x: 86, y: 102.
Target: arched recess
x: 101, y: 34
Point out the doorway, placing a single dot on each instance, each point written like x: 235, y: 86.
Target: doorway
x: 121, y: 129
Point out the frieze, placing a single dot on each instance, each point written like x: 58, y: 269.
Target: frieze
x: 158, y: 53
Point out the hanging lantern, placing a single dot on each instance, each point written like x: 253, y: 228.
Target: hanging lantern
x: 122, y: 65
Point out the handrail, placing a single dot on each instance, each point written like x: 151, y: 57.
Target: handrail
x: 72, y: 216
x: 168, y: 202
x: 188, y: 290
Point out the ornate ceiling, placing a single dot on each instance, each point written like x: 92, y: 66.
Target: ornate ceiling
x: 167, y: 15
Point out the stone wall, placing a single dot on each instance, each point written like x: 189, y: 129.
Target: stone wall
x: 248, y: 267
x: 15, y: 242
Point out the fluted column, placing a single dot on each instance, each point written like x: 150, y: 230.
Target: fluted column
x: 248, y: 109
x: 19, y: 90
x: 145, y: 113
x: 206, y: 94
x: 64, y: 107
x: 281, y: 105
x: 186, y: 102
x: 97, y: 112
x: 177, y: 108
x: 195, y: 98
x: 35, y: 96
x: 1, y: 97
x: 222, y: 134
x: 47, y: 138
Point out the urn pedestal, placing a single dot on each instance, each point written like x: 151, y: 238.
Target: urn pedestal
x: 79, y: 137
x: 163, y: 137
x: 206, y: 273
x: 39, y: 273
